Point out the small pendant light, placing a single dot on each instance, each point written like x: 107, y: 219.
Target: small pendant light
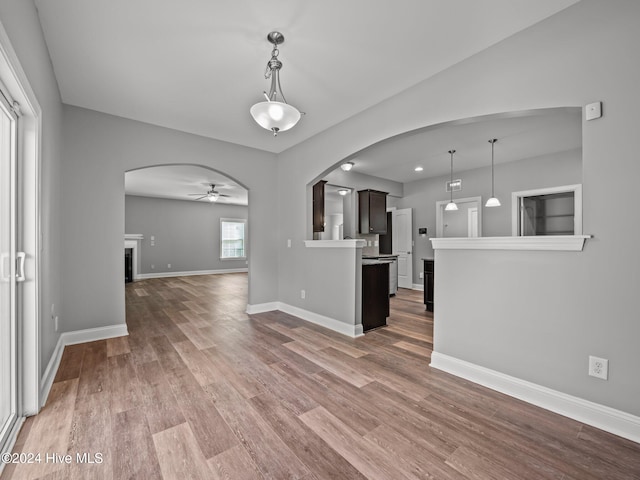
x: 451, y: 206
x: 493, y: 201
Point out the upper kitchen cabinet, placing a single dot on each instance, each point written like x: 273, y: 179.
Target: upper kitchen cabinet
x: 318, y: 206
x: 372, y: 211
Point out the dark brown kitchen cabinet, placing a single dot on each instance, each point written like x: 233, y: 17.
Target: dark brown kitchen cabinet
x: 429, y: 277
x: 372, y: 211
x: 375, y: 295
x: 318, y: 206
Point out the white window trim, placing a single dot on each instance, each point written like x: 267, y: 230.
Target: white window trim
x: 577, y: 199
x: 235, y: 220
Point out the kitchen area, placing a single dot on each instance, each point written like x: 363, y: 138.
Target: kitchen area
x: 365, y: 214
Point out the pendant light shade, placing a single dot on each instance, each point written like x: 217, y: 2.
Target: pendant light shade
x: 274, y: 115
x: 493, y: 201
x: 451, y: 206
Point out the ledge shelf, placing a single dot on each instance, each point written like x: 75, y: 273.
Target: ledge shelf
x: 567, y: 243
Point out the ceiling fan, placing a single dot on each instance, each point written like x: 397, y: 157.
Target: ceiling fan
x: 211, y: 195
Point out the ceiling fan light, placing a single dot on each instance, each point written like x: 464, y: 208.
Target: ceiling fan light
x: 347, y: 166
x: 451, y: 207
x: 492, y: 202
x: 213, y: 197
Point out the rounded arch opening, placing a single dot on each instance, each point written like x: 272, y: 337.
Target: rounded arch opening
x: 176, y: 227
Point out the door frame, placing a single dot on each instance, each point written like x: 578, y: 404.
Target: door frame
x: 440, y: 205
x: 16, y: 85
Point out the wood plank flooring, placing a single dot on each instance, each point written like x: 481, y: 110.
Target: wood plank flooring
x: 201, y: 390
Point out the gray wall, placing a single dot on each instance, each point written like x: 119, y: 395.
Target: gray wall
x: 187, y: 234
x: 97, y: 150
x: 577, y: 303
x: 564, y: 168
x: 20, y: 20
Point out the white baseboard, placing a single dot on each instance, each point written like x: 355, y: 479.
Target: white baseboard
x: 144, y: 276
x: 72, y: 338
x: 262, y: 307
x: 418, y: 286
x: 327, y: 322
x: 594, y: 414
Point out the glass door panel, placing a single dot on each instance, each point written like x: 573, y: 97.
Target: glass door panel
x: 7, y: 272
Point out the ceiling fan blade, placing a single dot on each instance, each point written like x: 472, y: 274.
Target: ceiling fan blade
x: 200, y: 198
x: 195, y: 194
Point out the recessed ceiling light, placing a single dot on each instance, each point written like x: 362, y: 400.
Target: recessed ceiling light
x: 418, y: 169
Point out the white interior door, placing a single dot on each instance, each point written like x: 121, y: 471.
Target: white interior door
x: 8, y: 321
x: 402, y: 245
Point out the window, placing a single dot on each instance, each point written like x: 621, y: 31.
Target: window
x: 548, y: 211
x: 232, y: 238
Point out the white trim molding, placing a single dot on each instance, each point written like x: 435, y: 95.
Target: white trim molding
x: 594, y: 414
x: 262, y: 307
x: 567, y: 243
x: 352, y: 331
x: 144, y: 276
x: 73, y: 338
x: 418, y: 286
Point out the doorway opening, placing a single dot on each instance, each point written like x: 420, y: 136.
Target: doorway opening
x: 182, y: 226
x: 464, y: 222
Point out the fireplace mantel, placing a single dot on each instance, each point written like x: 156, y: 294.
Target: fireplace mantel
x: 134, y: 242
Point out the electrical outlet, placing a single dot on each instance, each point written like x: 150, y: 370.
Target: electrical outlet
x: 55, y: 324
x: 421, y: 274
x: 168, y: 265
x: 303, y: 294
x: 599, y: 367
x: 153, y: 266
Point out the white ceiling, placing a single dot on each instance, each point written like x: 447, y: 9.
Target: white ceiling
x: 520, y: 135
x: 180, y: 181
x: 198, y: 66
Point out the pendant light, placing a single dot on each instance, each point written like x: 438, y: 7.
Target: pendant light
x: 493, y: 201
x: 272, y: 114
x: 451, y: 206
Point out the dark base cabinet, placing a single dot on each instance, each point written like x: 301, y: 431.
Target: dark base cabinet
x: 429, y: 272
x: 375, y: 295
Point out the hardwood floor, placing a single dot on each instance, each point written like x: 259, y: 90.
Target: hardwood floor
x: 199, y: 389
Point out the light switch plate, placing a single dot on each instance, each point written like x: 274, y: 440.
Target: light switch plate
x: 593, y: 111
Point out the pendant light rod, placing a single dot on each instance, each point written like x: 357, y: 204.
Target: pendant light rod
x: 493, y: 201
x: 451, y: 206
x: 492, y: 142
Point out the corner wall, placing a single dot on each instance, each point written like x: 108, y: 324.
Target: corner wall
x: 98, y: 149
